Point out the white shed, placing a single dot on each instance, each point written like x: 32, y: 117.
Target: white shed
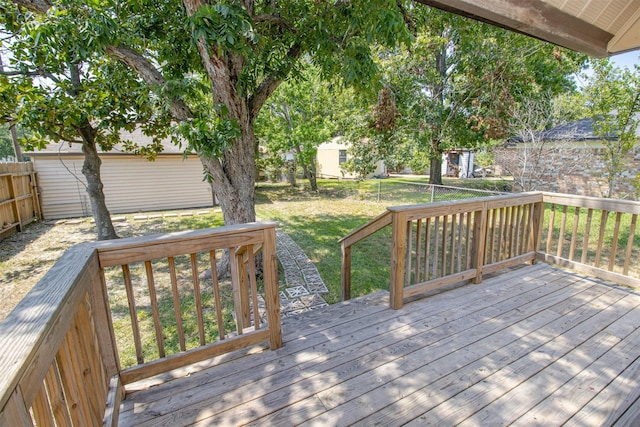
x: 458, y: 163
x: 131, y: 183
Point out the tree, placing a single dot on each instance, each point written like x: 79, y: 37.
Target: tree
x: 6, y: 146
x: 244, y: 50
x: 459, y: 81
x: 54, y: 85
x: 298, y: 120
x: 535, y: 154
x: 613, y: 97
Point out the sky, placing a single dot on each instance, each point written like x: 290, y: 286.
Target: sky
x: 621, y: 60
x: 626, y: 59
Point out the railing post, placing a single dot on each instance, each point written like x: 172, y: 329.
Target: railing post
x: 479, y: 241
x: 346, y: 272
x: 536, y: 229
x: 398, y: 259
x: 271, y: 288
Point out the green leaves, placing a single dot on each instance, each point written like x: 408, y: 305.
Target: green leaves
x: 226, y: 26
x: 209, y: 135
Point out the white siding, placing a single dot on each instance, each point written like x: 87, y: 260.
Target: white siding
x: 131, y: 184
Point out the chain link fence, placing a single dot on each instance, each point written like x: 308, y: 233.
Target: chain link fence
x: 392, y: 191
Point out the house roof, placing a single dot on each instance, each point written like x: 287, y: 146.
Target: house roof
x: 579, y: 130
x: 57, y: 148
x: 597, y: 27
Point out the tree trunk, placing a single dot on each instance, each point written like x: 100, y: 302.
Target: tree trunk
x: 16, y: 145
x: 435, y: 170
x: 233, y: 180
x: 91, y: 172
x: 312, y: 175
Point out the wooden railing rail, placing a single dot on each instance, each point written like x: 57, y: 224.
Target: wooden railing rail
x: 58, y: 349
x: 162, y: 278
x: 62, y: 355
x: 438, y: 244
x: 600, y: 237
x: 352, y: 238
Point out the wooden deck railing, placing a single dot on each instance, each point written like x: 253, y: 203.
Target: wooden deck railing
x: 63, y: 360
x: 434, y: 245
x: 600, y: 237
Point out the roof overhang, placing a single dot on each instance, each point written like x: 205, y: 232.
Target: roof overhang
x: 596, y: 27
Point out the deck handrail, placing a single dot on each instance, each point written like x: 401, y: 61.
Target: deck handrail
x: 586, y: 224
x: 437, y: 244
x: 360, y: 233
x: 60, y: 362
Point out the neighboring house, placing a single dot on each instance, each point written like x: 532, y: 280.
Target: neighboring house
x: 572, y: 161
x: 458, y: 163
x: 332, y: 154
x: 131, y: 183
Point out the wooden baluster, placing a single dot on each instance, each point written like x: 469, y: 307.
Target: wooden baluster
x: 427, y: 248
x: 417, y: 275
x: 41, y: 409
x: 84, y: 368
x: 53, y: 383
x: 237, y: 298
x: 603, y: 226
x: 526, y: 229
x: 574, y: 233
x: 436, y: 246
x: 614, y: 243
x: 632, y: 235
x: 552, y: 216
x: 460, y: 238
x: 513, y: 227
x: 244, y: 286
x: 177, y: 309
x: 479, y: 241
x: 216, y: 294
x: 157, y: 325
x: 198, y: 298
x: 445, y: 223
x: 409, y: 253
x: 492, y: 236
x: 585, y: 241
x: 501, y: 235
x: 469, y: 227
x: 452, y: 248
x: 90, y: 358
x: 132, y: 313
x: 254, y: 287
x: 73, y: 393
x: 563, y: 224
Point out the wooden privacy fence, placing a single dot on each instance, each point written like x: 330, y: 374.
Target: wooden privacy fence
x: 434, y: 245
x: 66, y: 344
x: 19, y: 200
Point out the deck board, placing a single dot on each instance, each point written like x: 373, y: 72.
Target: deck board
x: 532, y: 346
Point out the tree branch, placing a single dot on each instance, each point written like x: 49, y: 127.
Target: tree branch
x: 273, y: 19
x: 150, y: 74
x: 270, y: 84
x: 37, y: 6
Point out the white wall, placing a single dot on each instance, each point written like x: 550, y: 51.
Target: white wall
x: 131, y: 184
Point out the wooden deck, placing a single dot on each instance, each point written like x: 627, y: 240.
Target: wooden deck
x: 532, y: 346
